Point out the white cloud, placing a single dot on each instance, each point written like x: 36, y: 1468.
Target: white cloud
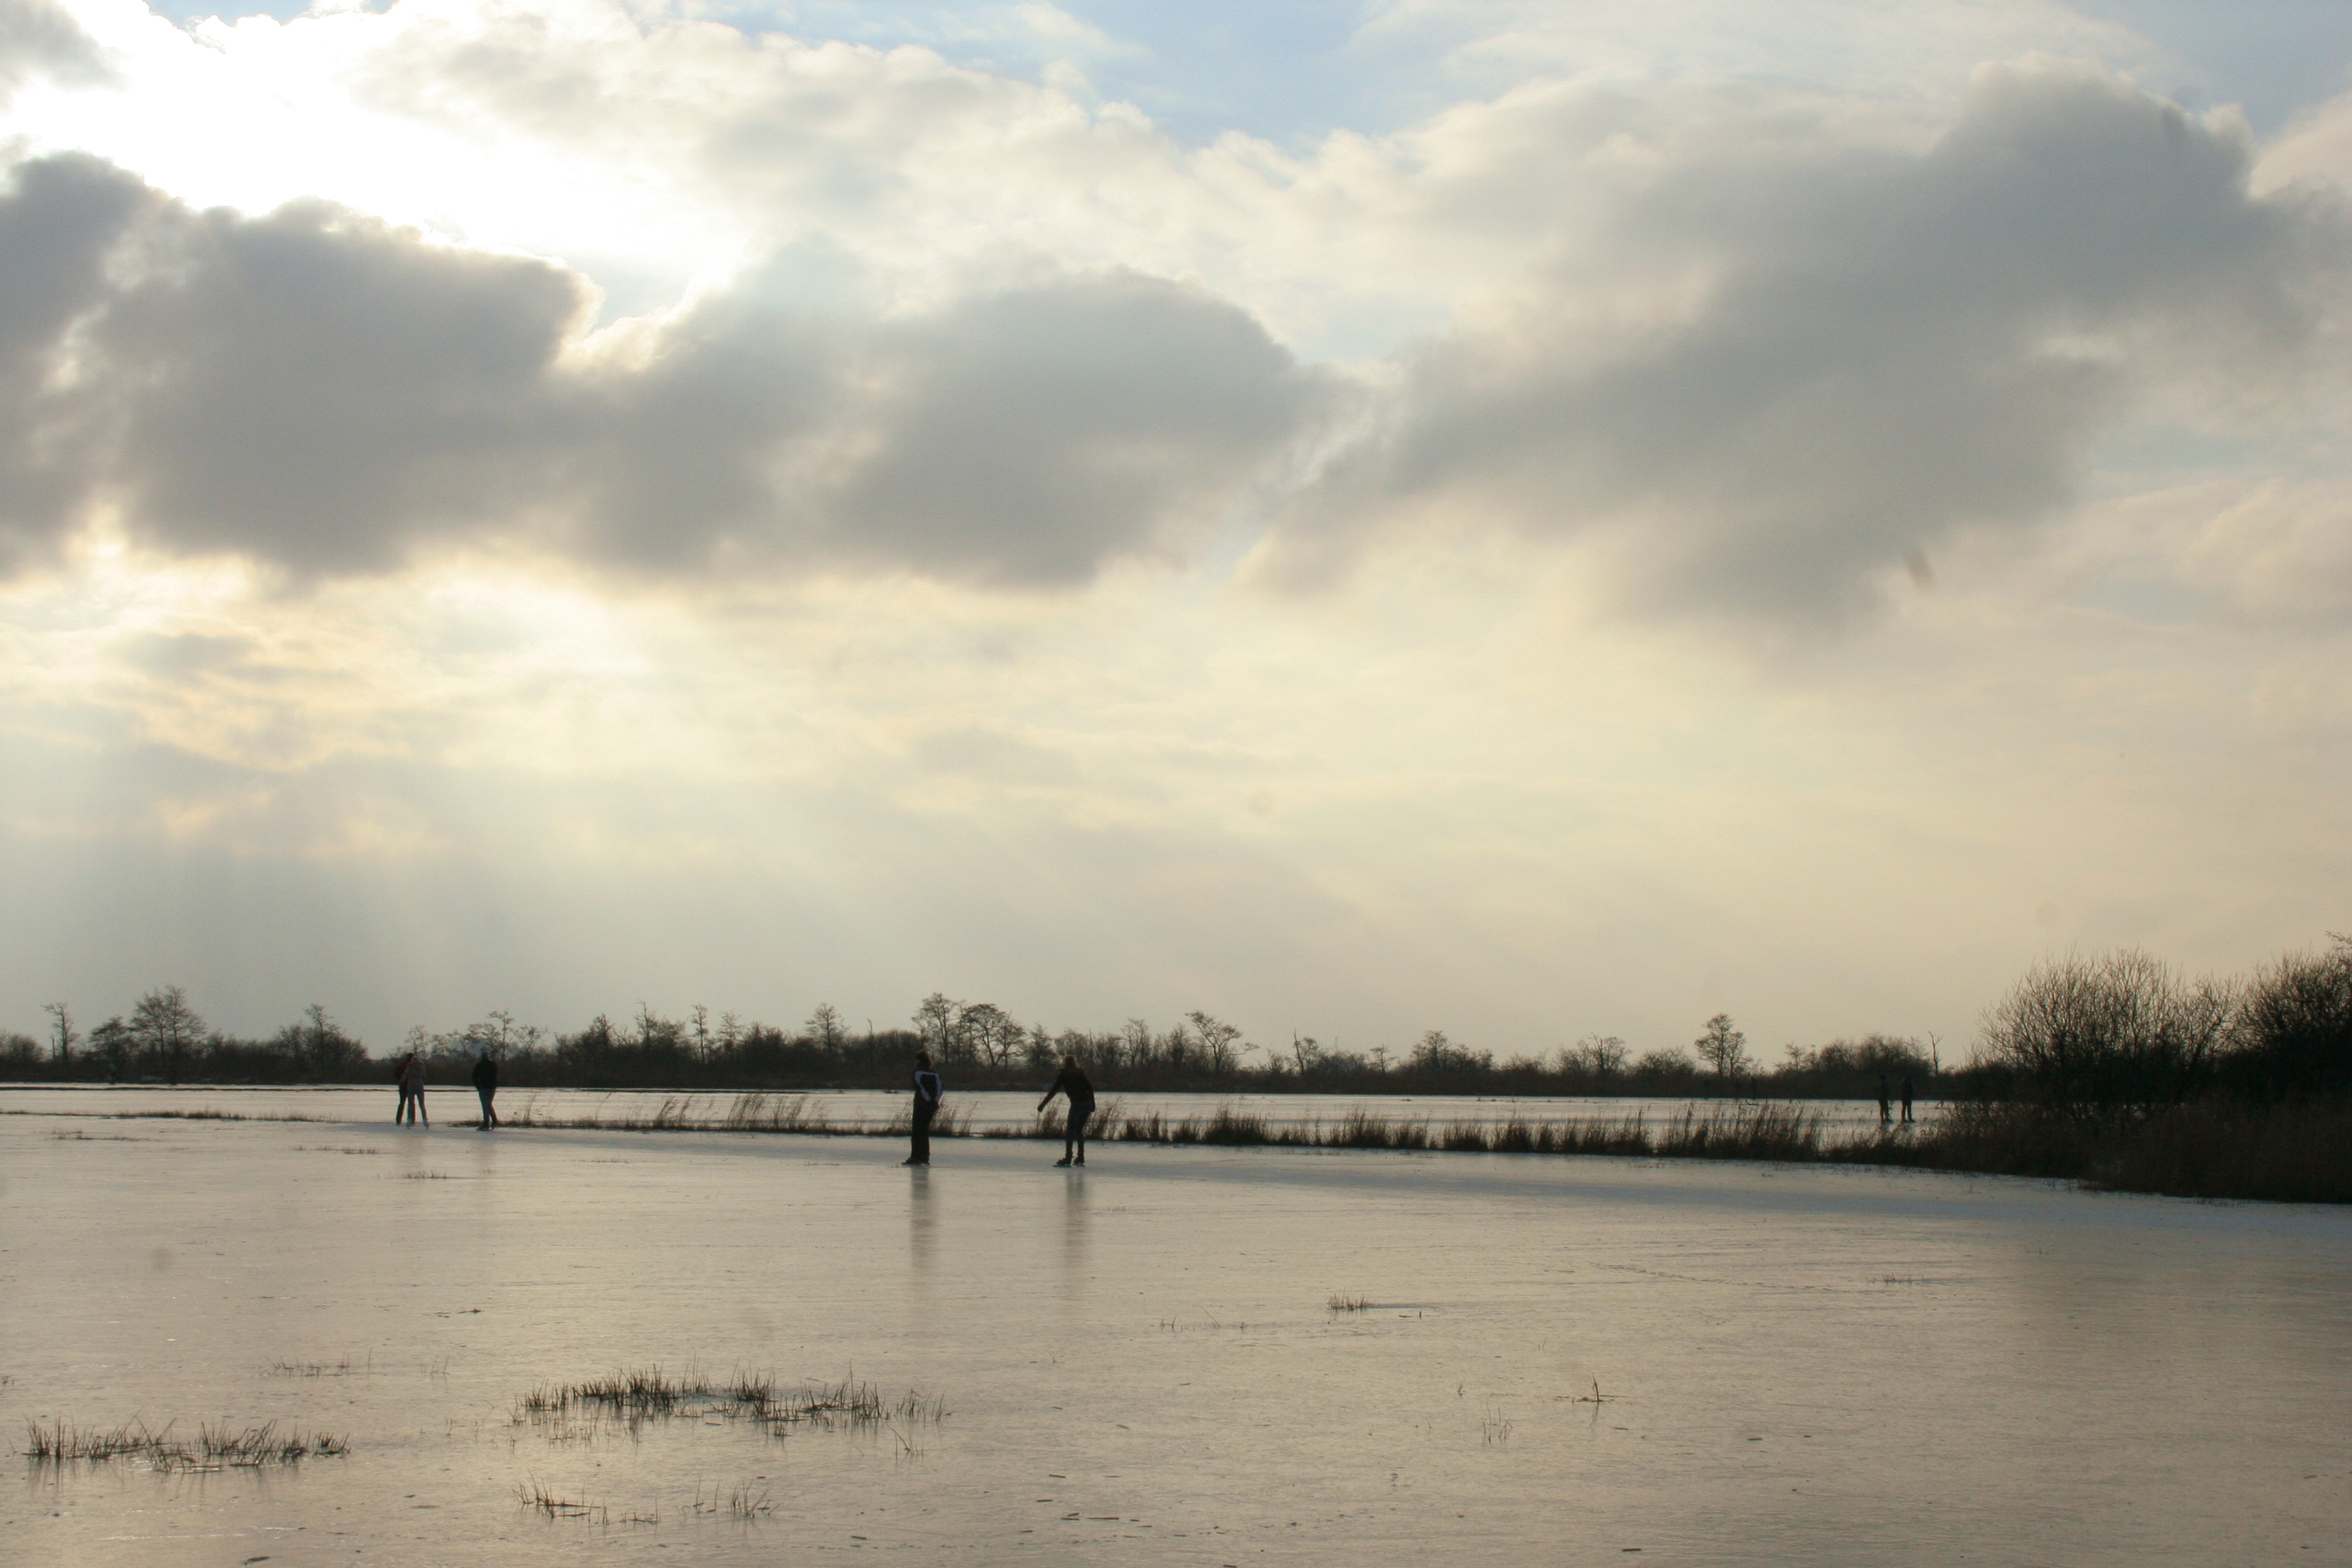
x: 1850, y: 353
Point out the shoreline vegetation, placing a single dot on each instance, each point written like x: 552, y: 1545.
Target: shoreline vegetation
x: 2283, y: 1154
x: 2280, y: 1155
x: 2111, y: 1070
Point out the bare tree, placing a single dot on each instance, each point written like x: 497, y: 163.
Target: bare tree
x: 62, y: 1033
x: 1435, y: 1052
x: 1220, y: 1051
x: 1723, y: 1047
x: 823, y: 1026
x: 164, y: 1025
x: 990, y: 1032
x: 1307, y: 1053
x: 1602, y: 1055
x: 2118, y: 1032
x: 935, y: 1024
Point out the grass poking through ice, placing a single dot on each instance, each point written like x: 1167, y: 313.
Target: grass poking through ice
x: 650, y: 1394
x: 214, y: 1447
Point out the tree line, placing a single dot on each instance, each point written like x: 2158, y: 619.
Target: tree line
x: 979, y: 1044
x: 2085, y: 1039
x: 2123, y: 1035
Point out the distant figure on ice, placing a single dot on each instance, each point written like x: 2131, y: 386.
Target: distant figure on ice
x: 486, y: 1084
x: 1885, y: 1115
x: 410, y: 1072
x: 1073, y: 1084
x: 1906, y: 1099
x: 927, y: 1105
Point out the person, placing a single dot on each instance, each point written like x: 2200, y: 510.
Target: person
x: 486, y: 1084
x: 927, y: 1105
x: 1883, y: 1117
x: 1906, y: 1099
x: 400, y: 1079
x: 1073, y: 1084
x: 411, y: 1087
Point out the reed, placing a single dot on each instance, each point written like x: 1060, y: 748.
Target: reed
x: 650, y: 1394
x: 61, y: 1442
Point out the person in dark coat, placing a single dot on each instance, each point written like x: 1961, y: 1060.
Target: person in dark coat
x: 927, y: 1094
x: 486, y: 1084
x: 412, y: 1090
x: 1906, y: 1099
x: 1072, y: 1084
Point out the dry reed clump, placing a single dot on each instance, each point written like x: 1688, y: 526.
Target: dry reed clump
x: 1738, y: 1131
x: 651, y: 1395
x: 753, y: 1110
x: 555, y: 1505
x: 346, y: 1367
x: 214, y: 1447
x: 2284, y: 1153
x: 743, y: 1502
x: 1338, y: 1303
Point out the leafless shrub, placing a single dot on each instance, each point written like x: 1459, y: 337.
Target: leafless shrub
x: 2092, y: 1037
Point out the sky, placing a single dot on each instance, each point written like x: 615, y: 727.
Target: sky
x: 1512, y: 516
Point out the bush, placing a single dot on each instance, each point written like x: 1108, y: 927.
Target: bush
x: 2092, y: 1037
x: 2293, y: 1036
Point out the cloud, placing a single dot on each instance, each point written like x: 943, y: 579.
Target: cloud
x: 2282, y: 554
x: 1846, y: 354
x: 37, y: 38
x: 320, y: 391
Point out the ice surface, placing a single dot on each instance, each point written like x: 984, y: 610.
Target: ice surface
x: 878, y: 1108
x: 1796, y: 1365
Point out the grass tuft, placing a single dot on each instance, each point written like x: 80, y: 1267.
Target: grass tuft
x: 60, y: 1442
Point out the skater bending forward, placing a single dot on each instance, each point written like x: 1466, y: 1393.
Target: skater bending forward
x: 1072, y: 1084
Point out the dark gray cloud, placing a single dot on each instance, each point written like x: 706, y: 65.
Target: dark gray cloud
x: 1891, y: 347
x: 316, y: 390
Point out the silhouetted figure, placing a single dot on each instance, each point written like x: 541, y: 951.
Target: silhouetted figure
x: 412, y: 1090
x: 927, y: 1105
x: 1885, y: 1115
x: 1073, y: 1084
x: 1906, y: 1099
x: 486, y: 1084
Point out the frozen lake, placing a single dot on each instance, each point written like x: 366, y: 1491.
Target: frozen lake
x: 1796, y: 1365
x: 875, y: 1107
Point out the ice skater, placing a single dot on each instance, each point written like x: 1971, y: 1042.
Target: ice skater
x: 1906, y: 1099
x: 1072, y: 1084
x: 1885, y: 1115
x: 486, y: 1084
x: 927, y: 1105
x: 412, y: 1090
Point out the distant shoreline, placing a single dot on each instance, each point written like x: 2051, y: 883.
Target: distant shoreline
x: 2202, y: 1150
